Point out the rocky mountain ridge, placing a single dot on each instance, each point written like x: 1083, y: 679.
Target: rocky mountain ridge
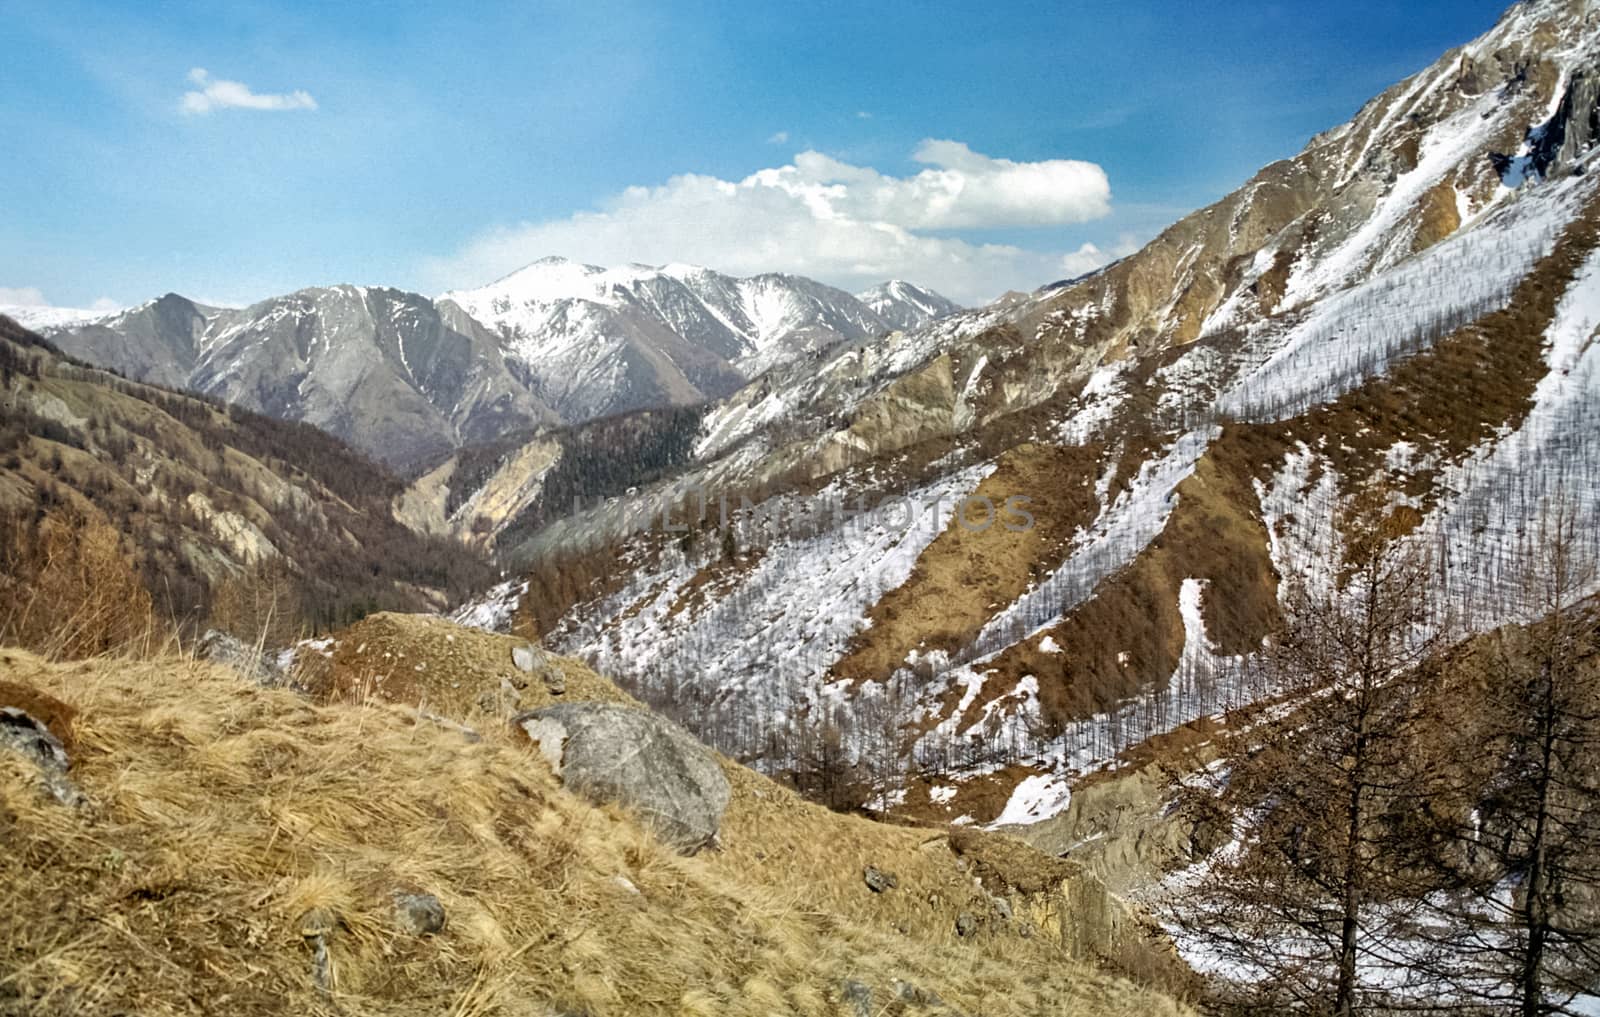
x: 408, y: 379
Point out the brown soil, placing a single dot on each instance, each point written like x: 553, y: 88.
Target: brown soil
x: 436, y: 667
x: 57, y: 717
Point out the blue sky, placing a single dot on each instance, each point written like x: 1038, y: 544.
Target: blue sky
x: 450, y: 143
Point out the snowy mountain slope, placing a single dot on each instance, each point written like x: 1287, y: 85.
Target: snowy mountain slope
x: 158, y: 341
x: 33, y: 316
x: 1404, y: 303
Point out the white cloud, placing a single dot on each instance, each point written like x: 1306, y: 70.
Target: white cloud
x: 1085, y: 259
x: 22, y: 296
x: 32, y: 296
x: 217, y: 93
x: 818, y: 216
x: 779, y: 138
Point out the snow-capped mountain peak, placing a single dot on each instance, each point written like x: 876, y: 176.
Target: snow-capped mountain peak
x: 602, y: 340
x: 905, y: 305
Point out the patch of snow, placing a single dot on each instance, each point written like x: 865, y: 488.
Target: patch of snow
x: 494, y: 610
x: 1035, y: 799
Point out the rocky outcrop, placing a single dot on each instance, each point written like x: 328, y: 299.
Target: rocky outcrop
x: 1061, y: 902
x: 252, y: 662
x: 1572, y: 132
x: 647, y: 764
x: 1120, y: 828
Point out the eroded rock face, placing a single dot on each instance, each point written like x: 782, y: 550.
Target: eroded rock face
x: 610, y: 753
x: 1121, y: 829
x: 1573, y: 130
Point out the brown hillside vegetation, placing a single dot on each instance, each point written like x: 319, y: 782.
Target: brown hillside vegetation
x: 438, y: 667
x: 1447, y: 400
x: 1131, y: 628
x: 197, y: 494
x: 978, y: 561
x: 229, y: 826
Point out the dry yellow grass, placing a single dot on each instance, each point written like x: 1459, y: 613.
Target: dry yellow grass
x: 224, y: 815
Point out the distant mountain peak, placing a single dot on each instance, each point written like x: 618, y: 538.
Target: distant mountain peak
x: 907, y: 305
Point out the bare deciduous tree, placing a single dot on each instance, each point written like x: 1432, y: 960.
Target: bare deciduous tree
x: 1293, y: 905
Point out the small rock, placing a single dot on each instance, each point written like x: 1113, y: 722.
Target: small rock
x: 877, y: 880
x: 463, y: 730
x: 418, y: 914
x: 534, y: 660
x: 528, y: 657
x: 858, y: 997
x: 555, y: 681
x: 626, y: 884
x: 1002, y: 907
x: 966, y: 925
x: 916, y: 996
x: 317, y: 928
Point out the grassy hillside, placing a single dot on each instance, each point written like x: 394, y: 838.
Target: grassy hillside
x: 228, y: 826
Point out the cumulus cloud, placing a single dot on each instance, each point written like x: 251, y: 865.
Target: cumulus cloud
x: 28, y: 305
x: 779, y: 138
x: 848, y: 225
x: 212, y: 94
x: 22, y: 296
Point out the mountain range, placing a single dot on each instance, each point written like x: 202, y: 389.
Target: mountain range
x: 1408, y: 305
x: 407, y: 378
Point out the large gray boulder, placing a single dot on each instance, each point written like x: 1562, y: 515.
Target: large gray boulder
x: 610, y: 753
